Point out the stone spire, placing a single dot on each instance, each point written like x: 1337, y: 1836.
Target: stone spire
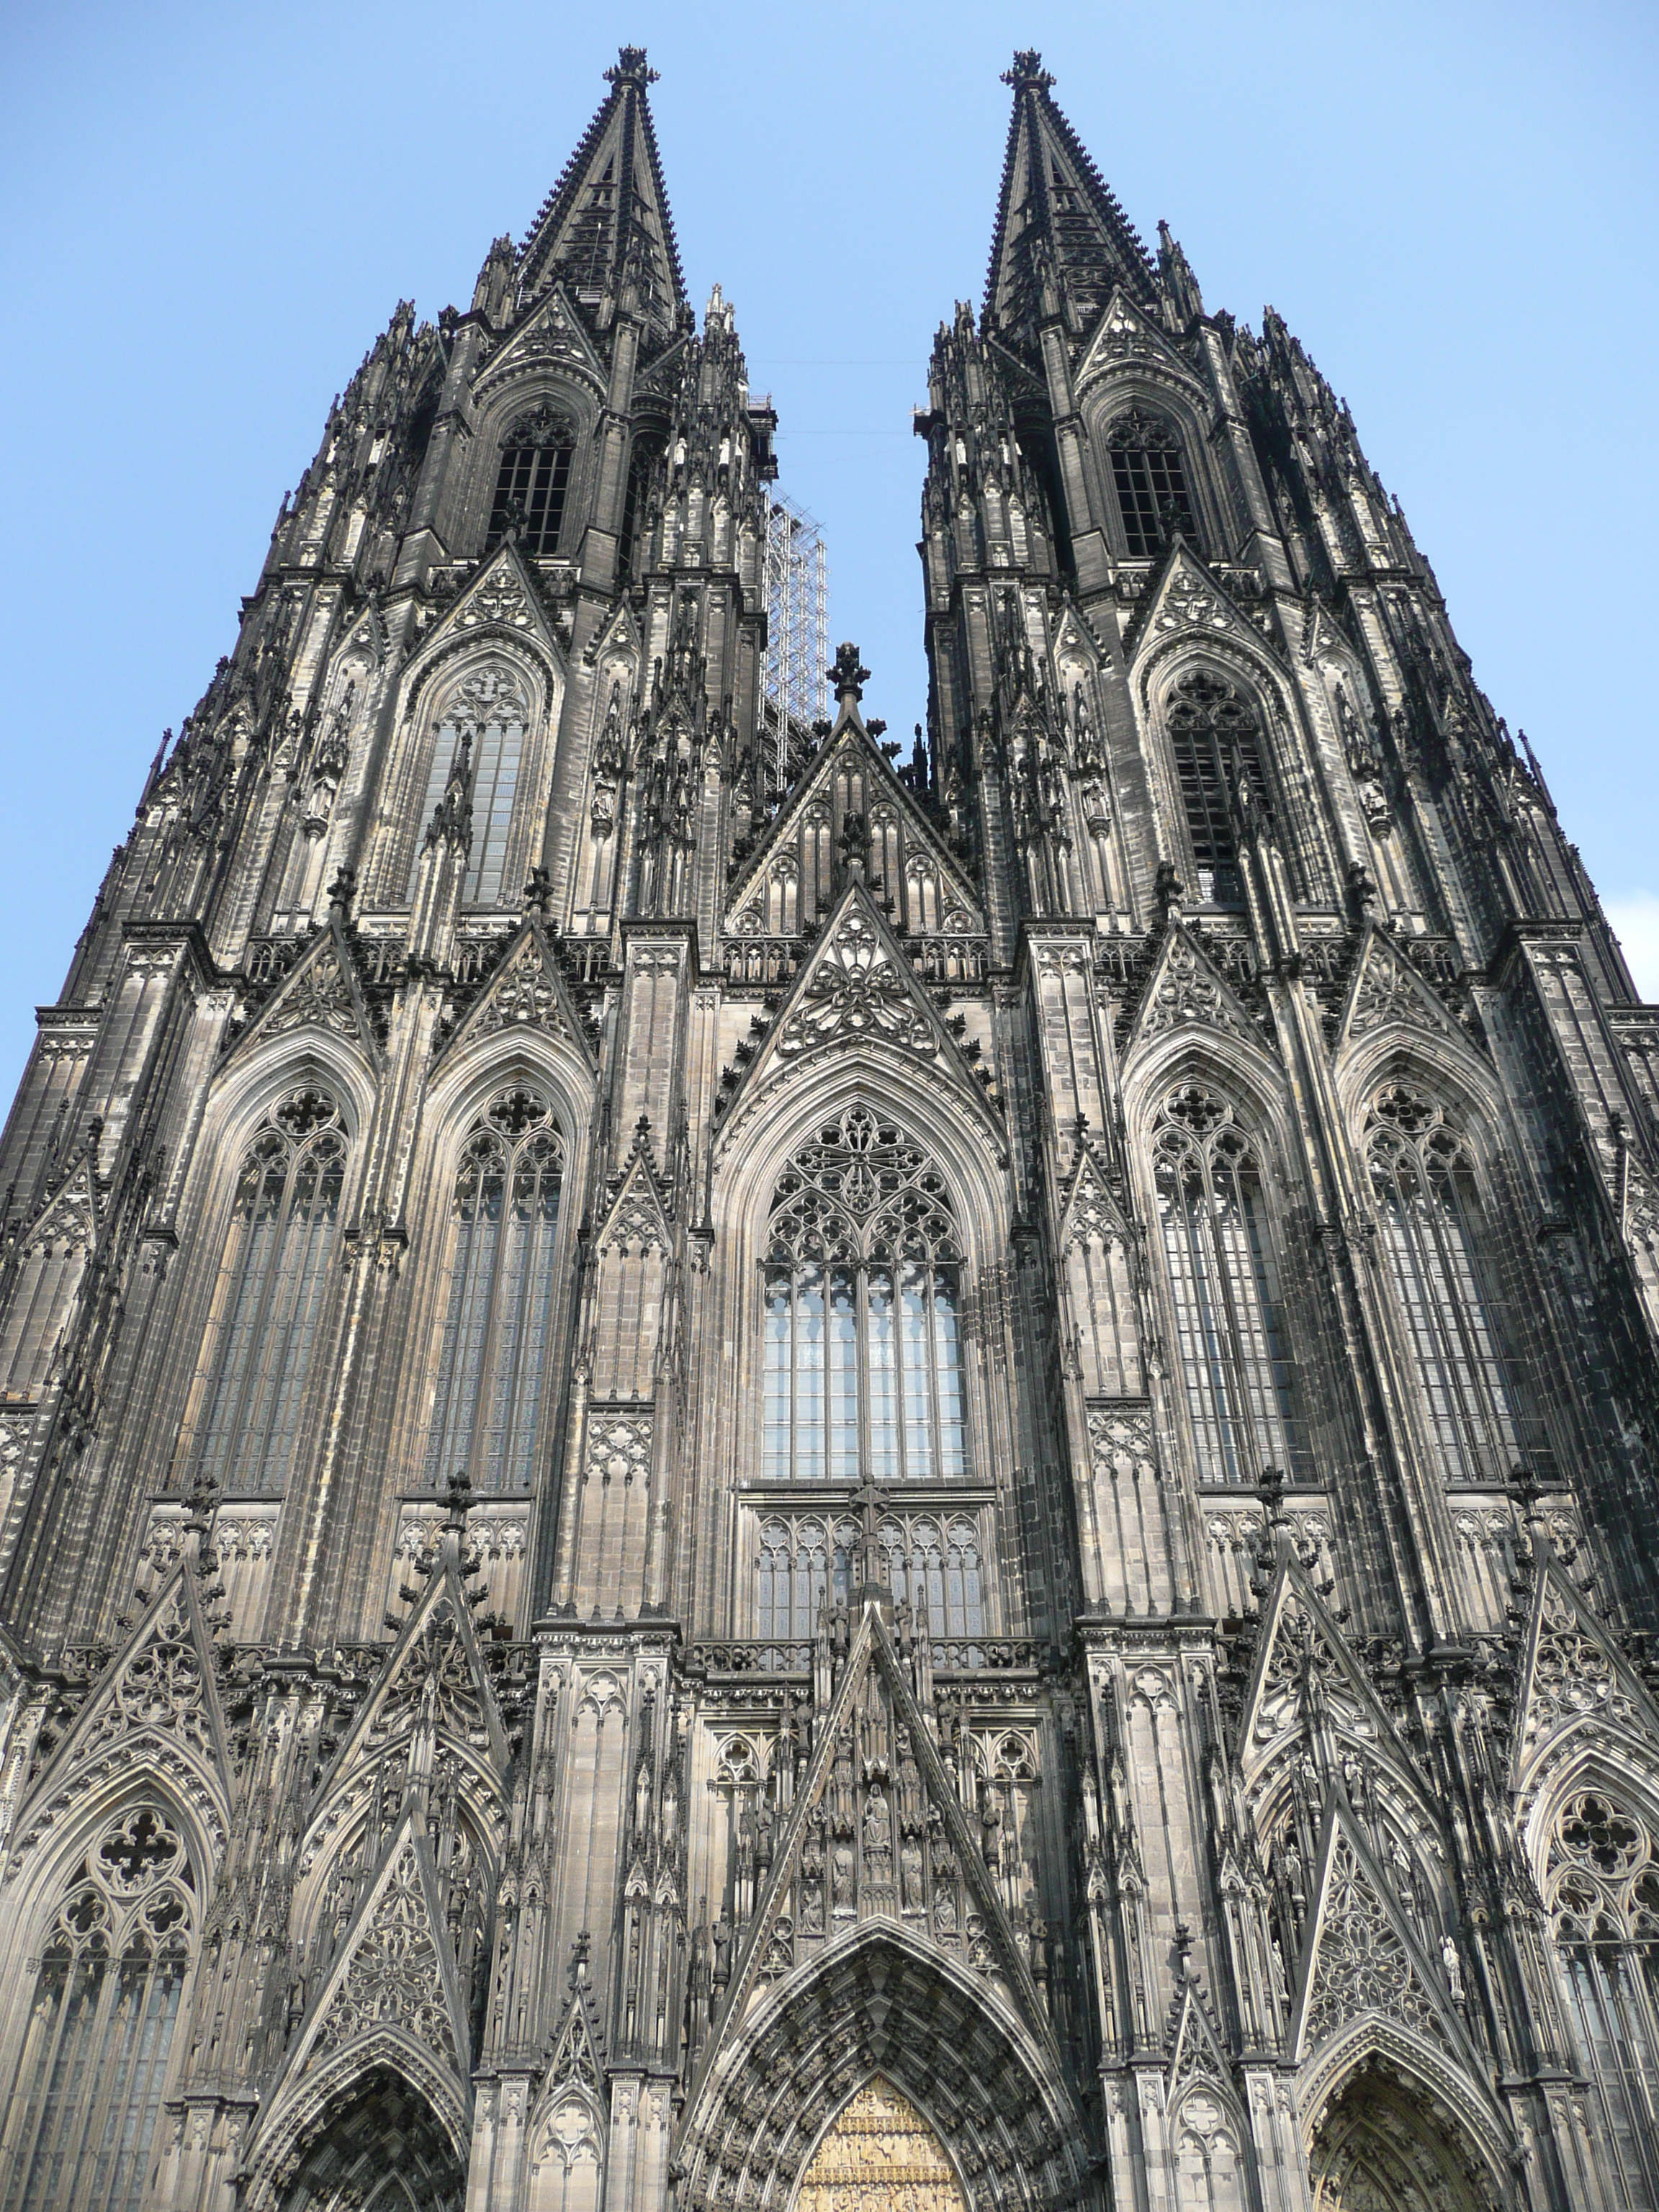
x: 1062, y: 242
x: 606, y: 222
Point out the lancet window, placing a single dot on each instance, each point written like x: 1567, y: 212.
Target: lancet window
x: 489, y: 714
x: 1602, y: 1884
x: 1216, y: 748
x: 490, y: 1392
x: 1219, y: 1251
x: 534, y: 478
x: 87, y: 2091
x: 1151, y: 482
x: 1423, y: 1182
x: 274, y: 1282
x: 863, y: 1343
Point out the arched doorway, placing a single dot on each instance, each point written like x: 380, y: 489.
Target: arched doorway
x: 380, y: 2149
x: 1385, y: 2144
x: 878, y: 2154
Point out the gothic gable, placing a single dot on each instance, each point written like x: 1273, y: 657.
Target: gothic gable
x: 1186, y: 987
x: 877, y: 1832
x: 501, y: 598
x: 394, y: 1972
x: 1128, y: 337
x: 1572, y: 1674
x: 320, y: 990
x: 156, y: 1701
x: 70, y: 1216
x: 1183, y: 601
x: 552, y: 335
x: 1090, y: 1214
x: 858, y: 987
x: 1305, y: 1671
x: 1386, y: 989
x: 636, y: 1218
x: 1196, y: 2050
x: 525, y: 990
x: 849, y: 795
x: 1360, y: 1956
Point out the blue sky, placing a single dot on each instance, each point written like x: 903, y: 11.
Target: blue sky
x: 207, y: 212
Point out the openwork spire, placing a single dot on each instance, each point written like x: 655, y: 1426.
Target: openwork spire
x: 606, y: 225
x: 1062, y: 242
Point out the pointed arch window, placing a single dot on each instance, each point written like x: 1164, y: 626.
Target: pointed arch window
x: 490, y: 711
x: 1150, y: 481
x: 1602, y: 1885
x: 277, y: 1264
x: 87, y: 2091
x: 490, y: 1393
x: 1215, y: 745
x: 1422, y: 1180
x: 863, y: 1339
x: 1229, y: 1326
x: 534, y: 480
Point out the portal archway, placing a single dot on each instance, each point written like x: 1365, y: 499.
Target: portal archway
x: 380, y: 2146
x: 878, y: 2154
x: 1385, y: 2144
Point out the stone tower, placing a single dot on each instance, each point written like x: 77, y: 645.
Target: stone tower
x: 739, y: 1475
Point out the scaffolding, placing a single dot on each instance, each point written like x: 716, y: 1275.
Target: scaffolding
x: 795, y: 590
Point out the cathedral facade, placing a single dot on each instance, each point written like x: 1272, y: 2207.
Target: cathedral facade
x: 744, y: 1468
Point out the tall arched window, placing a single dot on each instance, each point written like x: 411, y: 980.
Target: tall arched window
x: 87, y: 2090
x: 492, y: 1370
x: 491, y: 709
x: 863, y: 1364
x: 1422, y: 1180
x: 535, y: 475
x: 1150, y: 483
x: 1216, y: 747
x: 1222, y: 1278
x: 1602, y: 1884
x: 274, y: 1285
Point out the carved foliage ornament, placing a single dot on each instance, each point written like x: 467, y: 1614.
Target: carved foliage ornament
x: 395, y: 1978
x: 856, y: 991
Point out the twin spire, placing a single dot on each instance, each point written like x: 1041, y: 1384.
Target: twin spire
x: 1062, y: 242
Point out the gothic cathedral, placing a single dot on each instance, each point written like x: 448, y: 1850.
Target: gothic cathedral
x: 747, y: 1470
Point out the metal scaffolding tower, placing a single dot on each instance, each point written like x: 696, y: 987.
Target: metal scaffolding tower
x: 796, y: 590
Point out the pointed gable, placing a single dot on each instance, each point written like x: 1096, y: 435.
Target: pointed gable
x: 876, y: 1831
x: 1127, y: 333
x: 501, y: 597
x: 1185, y: 987
x: 156, y: 1700
x: 1571, y: 1672
x: 1386, y: 987
x: 1304, y: 1660
x: 394, y: 1972
x: 1056, y: 222
x: 552, y: 331
x: 1196, y: 2050
x: 320, y: 990
x: 1183, y: 599
x: 526, y: 989
x: 1091, y: 1213
x: 1360, y: 1954
x: 636, y: 1219
x: 850, y: 785
x: 607, y: 219
x: 858, y: 986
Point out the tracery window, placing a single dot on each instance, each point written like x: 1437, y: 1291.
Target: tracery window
x: 491, y: 1381
x: 932, y: 1562
x: 87, y: 2090
x: 863, y: 1344
x: 1216, y: 747
x: 1602, y: 1884
x: 1218, y: 1247
x: 1422, y: 1180
x: 1150, y: 483
x: 274, y: 1287
x: 535, y: 475
x: 636, y: 501
x: 491, y: 713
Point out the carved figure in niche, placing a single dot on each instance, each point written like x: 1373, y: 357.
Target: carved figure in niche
x: 843, y: 1879
x: 910, y: 1871
x: 722, y: 1943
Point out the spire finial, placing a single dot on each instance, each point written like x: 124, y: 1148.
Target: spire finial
x: 631, y: 68
x: 1028, y: 72
x: 848, y: 675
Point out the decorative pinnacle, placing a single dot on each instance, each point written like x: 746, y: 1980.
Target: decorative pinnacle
x: 1028, y: 72
x: 848, y: 675
x: 631, y: 69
